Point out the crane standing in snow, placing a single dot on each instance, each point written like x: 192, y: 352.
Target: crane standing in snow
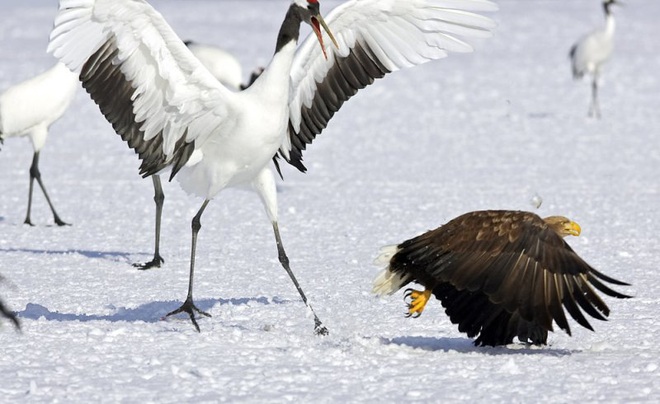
x: 179, y: 118
x: 29, y: 108
x: 590, y: 53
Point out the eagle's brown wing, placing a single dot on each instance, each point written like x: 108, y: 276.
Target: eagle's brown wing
x: 490, y: 323
x: 515, y: 259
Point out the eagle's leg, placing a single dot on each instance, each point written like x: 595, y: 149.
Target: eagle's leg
x: 416, y: 301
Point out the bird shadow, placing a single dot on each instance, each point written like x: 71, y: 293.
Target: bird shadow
x: 540, y: 115
x: 148, y: 313
x: 115, y: 256
x: 466, y: 345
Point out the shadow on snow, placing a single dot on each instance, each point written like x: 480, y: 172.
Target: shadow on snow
x: 148, y: 312
x: 116, y: 256
x: 466, y: 345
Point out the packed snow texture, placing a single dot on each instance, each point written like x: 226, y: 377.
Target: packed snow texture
x: 502, y: 128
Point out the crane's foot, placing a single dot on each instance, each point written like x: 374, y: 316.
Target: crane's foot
x: 319, y: 329
x: 594, y: 113
x: 57, y: 220
x: 61, y: 222
x: 189, y: 307
x: 416, y: 301
x: 154, y: 263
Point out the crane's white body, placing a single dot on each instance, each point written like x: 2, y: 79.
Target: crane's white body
x: 227, y: 161
x: 30, y: 107
x: 213, y: 138
x: 594, y: 49
x: 222, y: 64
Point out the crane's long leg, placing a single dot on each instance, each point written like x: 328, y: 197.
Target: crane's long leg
x: 264, y: 184
x: 159, y: 198
x: 319, y: 328
x: 35, y: 174
x: 188, y: 306
x: 594, y: 109
x: 4, y: 311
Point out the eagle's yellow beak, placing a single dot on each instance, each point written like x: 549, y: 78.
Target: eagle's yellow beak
x: 573, y: 229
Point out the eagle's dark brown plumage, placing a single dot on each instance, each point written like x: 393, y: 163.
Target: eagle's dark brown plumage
x: 499, y: 274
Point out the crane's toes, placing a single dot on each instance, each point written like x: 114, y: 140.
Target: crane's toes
x: 154, y: 263
x: 320, y: 329
x: 60, y: 222
x: 416, y: 301
x: 189, y: 307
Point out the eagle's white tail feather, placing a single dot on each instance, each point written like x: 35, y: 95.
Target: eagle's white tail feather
x: 385, y: 255
x: 387, y: 282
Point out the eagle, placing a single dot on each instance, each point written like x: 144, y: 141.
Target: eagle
x: 499, y: 274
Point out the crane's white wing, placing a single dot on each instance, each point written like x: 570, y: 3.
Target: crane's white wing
x: 156, y: 94
x: 375, y: 37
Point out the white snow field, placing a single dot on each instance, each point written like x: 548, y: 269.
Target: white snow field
x: 495, y: 129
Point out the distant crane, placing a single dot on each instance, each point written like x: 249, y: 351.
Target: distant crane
x: 222, y: 64
x: 590, y: 53
x: 178, y: 117
x: 29, y: 108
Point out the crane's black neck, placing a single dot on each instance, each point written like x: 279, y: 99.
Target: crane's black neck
x: 607, y: 7
x: 290, y: 29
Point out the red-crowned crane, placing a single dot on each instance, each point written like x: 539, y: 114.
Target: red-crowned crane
x: 178, y: 117
x: 592, y: 51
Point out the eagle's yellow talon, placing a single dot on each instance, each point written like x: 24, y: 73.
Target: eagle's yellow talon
x: 418, y: 300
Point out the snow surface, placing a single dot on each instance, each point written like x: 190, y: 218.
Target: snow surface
x: 499, y: 128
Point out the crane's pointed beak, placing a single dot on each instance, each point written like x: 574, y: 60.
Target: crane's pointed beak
x: 317, y: 23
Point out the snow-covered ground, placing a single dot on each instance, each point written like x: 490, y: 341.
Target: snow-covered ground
x: 492, y: 129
